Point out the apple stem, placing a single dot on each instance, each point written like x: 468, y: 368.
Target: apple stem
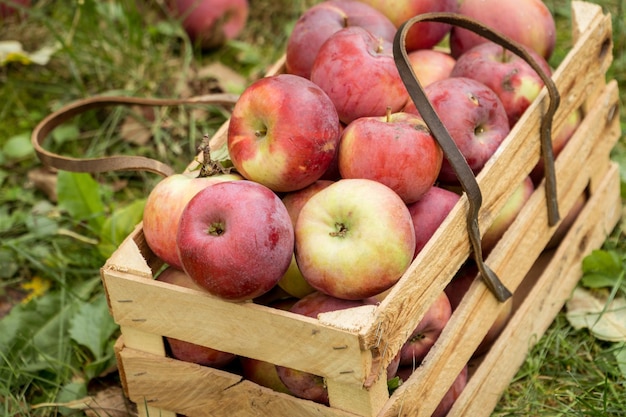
x: 380, y: 45
x: 342, y: 230
x: 209, y: 167
x: 388, y: 114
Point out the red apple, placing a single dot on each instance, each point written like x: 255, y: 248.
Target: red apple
x: 320, y: 21
x: 397, y: 150
x: 357, y: 71
x: 210, y: 23
x: 283, y: 132
x: 528, y: 22
x: 422, y: 35
x: 513, y: 79
x: 164, y: 207
x: 473, y: 115
x: 426, y: 333
x: 187, y: 351
x: 429, y: 212
x: 430, y: 65
x: 235, y: 239
x: 354, y: 239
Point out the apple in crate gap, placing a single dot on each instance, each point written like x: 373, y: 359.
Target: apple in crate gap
x: 187, y: 351
x: 210, y: 23
x: 235, y: 239
x: 426, y: 333
x: 514, y: 81
x: 320, y: 21
x: 164, y: 207
x: 397, y: 150
x: 429, y: 212
x: 354, y: 239
x: 306, y: 385
x: 357, y: 71
x: 473, y: 115
x: 283, y: 132
x: 456, y: 290
x: 293, y: 282
x: 422, y: 35
x: 430, y: 65
x: 529, y: 22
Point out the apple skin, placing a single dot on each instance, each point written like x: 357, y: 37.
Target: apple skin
x: 320, y: 21
x: 235, y: 239
x: 429, y: 212
x: 422, y: 35
x: 210, y: 23
x: 292, y: 281
x: 529, y: 22
x: 426, y: 333
x: 507, y: 215
x: 431, y: 65
x: 164, y: 207
x: 397, y: 150
x: 345, y: 226
x: 514, y: 81
x: 283, y: 132
x: 186, y: 351
x: 473, y: 115
x: 357, y: 71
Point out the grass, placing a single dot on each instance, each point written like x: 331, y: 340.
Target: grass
x: 56, y: 231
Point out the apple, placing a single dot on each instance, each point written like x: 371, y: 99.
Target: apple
x: 515, y: 82
x: 187, y: 351
x: 354, y: 239
x: 430, y: 65
x: 424, y: 336
x: 235, y: 239
x: 422, y: 35
x: 210, y: 23
x: 357, y: 71
x: 293, y: 282
x: 507, y: 215
x: 397, y: 150
x: 283, y: 132
x: 473, y: 115
x: 529, y: 22
x: 320, y: 21
x: 163, y: 209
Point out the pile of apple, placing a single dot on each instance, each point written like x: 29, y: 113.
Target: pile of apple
x: 338, y: 182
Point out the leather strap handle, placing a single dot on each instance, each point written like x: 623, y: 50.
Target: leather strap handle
x: 115, y: 162
x: 451, y: 151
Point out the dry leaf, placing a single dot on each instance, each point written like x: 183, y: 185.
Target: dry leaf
x: 109, y: 402
x: 44, y: 179
x: 227, y: 79
x: 606, y: 321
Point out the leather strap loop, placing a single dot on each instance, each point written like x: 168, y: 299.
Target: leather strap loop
x: 116, y: 162
x: 451, y: 151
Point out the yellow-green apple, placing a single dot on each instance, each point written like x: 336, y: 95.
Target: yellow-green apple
x: 397, y: 150
x: 187, y: 351
x: 430, y: 65
x: 429, y: 212
x: 235, y: 239
x: 528, y: 22
x: 507, y: 215
x: 473, y: 115
x: 357, y: 71
x: 345, y: 226
x: 320, y: 21
x: 283, y: 132
x: 164, y: 207
x: 422, y: 35
x: 293, y: 282
x: 515, y: 82
x: 426, y: 333
x: 210, y: 23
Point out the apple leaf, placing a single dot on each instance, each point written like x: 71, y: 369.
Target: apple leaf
x: 602, y: 268
x: 119, y: 225
x: 604, y: 317
x: 92, y: 327
x: 79, y: 195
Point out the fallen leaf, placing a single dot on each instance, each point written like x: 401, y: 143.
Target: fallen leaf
x: 109, y: 402
x: 227, y: 79
x: 44, y: 179
x: 605, y: 320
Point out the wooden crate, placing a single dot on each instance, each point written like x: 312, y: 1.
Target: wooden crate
x: 350, y: 348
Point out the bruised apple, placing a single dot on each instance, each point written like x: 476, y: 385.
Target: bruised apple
x: 235, y: 239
